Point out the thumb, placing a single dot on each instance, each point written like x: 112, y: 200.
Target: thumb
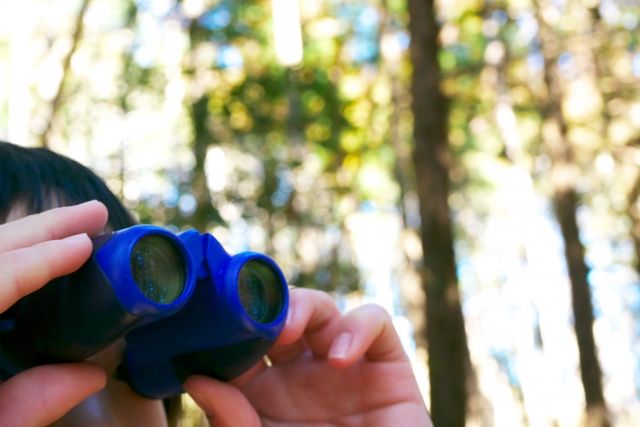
x: 224, y: 404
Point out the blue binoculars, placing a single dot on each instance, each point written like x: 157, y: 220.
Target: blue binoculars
x: 183, y: 305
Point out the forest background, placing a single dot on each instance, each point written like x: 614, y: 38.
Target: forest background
x: 470, y: 165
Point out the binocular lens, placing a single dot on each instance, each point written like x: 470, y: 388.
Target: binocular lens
x: 158, y: 269
x: 260, y: 291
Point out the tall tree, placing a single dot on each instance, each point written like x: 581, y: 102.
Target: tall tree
x: 203, y: 216
x: 633, y: 213
x: 449, y: 361
x: 54, y: 105
x: 598, y: 57
x: 564, y: 175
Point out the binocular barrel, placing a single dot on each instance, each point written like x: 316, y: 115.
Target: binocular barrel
x: 235, y: 314
x: 180, y: 301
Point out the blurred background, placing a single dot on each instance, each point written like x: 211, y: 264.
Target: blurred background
x: 472, y: 166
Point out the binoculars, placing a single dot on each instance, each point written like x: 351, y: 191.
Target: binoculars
x: 183, y: 305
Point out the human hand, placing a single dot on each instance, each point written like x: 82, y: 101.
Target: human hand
x: 327, y: 369
x: 33, y: 251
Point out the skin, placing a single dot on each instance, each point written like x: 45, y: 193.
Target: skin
x: 327, y: 369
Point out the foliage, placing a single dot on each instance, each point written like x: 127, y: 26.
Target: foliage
x: 183, y: 107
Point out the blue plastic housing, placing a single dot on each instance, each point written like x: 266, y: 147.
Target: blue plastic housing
x: 205, y: 330
x: 114, y: 256
x: 76, y: 316
x: 212, y: 335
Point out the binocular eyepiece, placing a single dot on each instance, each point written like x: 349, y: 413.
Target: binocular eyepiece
x: 182, y: 303
x: 158, y: 269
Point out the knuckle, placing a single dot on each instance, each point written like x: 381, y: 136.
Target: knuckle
x: 43, y: 261
x: 321, y: 298
x: 11, y: 280
x: 375, y: 311
x: 326, y: 299
x: 21, y: 271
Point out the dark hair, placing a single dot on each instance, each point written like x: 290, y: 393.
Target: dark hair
x: 41, y: 179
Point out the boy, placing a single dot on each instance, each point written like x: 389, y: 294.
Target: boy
x: 327, y: 368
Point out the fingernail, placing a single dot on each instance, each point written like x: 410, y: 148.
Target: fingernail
x: 76, y: 237
x: 340, y: 346
x: 289, y: 320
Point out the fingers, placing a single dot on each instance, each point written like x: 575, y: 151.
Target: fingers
x: 224, y: 404
x: 315, y: 324
x: 54, y: 224
x: 366, y: 332
x: 41, y: 395
x: 33, y: 251
x: 311, y: 323
x: 23, y: 271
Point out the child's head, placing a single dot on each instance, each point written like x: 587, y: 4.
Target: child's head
x: 33, y: 180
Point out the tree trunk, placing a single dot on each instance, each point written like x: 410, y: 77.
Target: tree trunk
x: 565, y: 203
x: 564, y: 174
x: 449, y: 361
x: 206, y: 214
x: 203, y: 216
x: 633, y: 213
x: 633, y: 208
x: 43, y: 138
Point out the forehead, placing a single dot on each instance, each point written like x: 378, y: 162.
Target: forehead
x: 23, y: 205
x: 18, y: 210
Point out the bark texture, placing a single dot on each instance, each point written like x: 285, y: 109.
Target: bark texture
x: 56, y: 101
x: 446, y: 339
x: 565, y: 175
